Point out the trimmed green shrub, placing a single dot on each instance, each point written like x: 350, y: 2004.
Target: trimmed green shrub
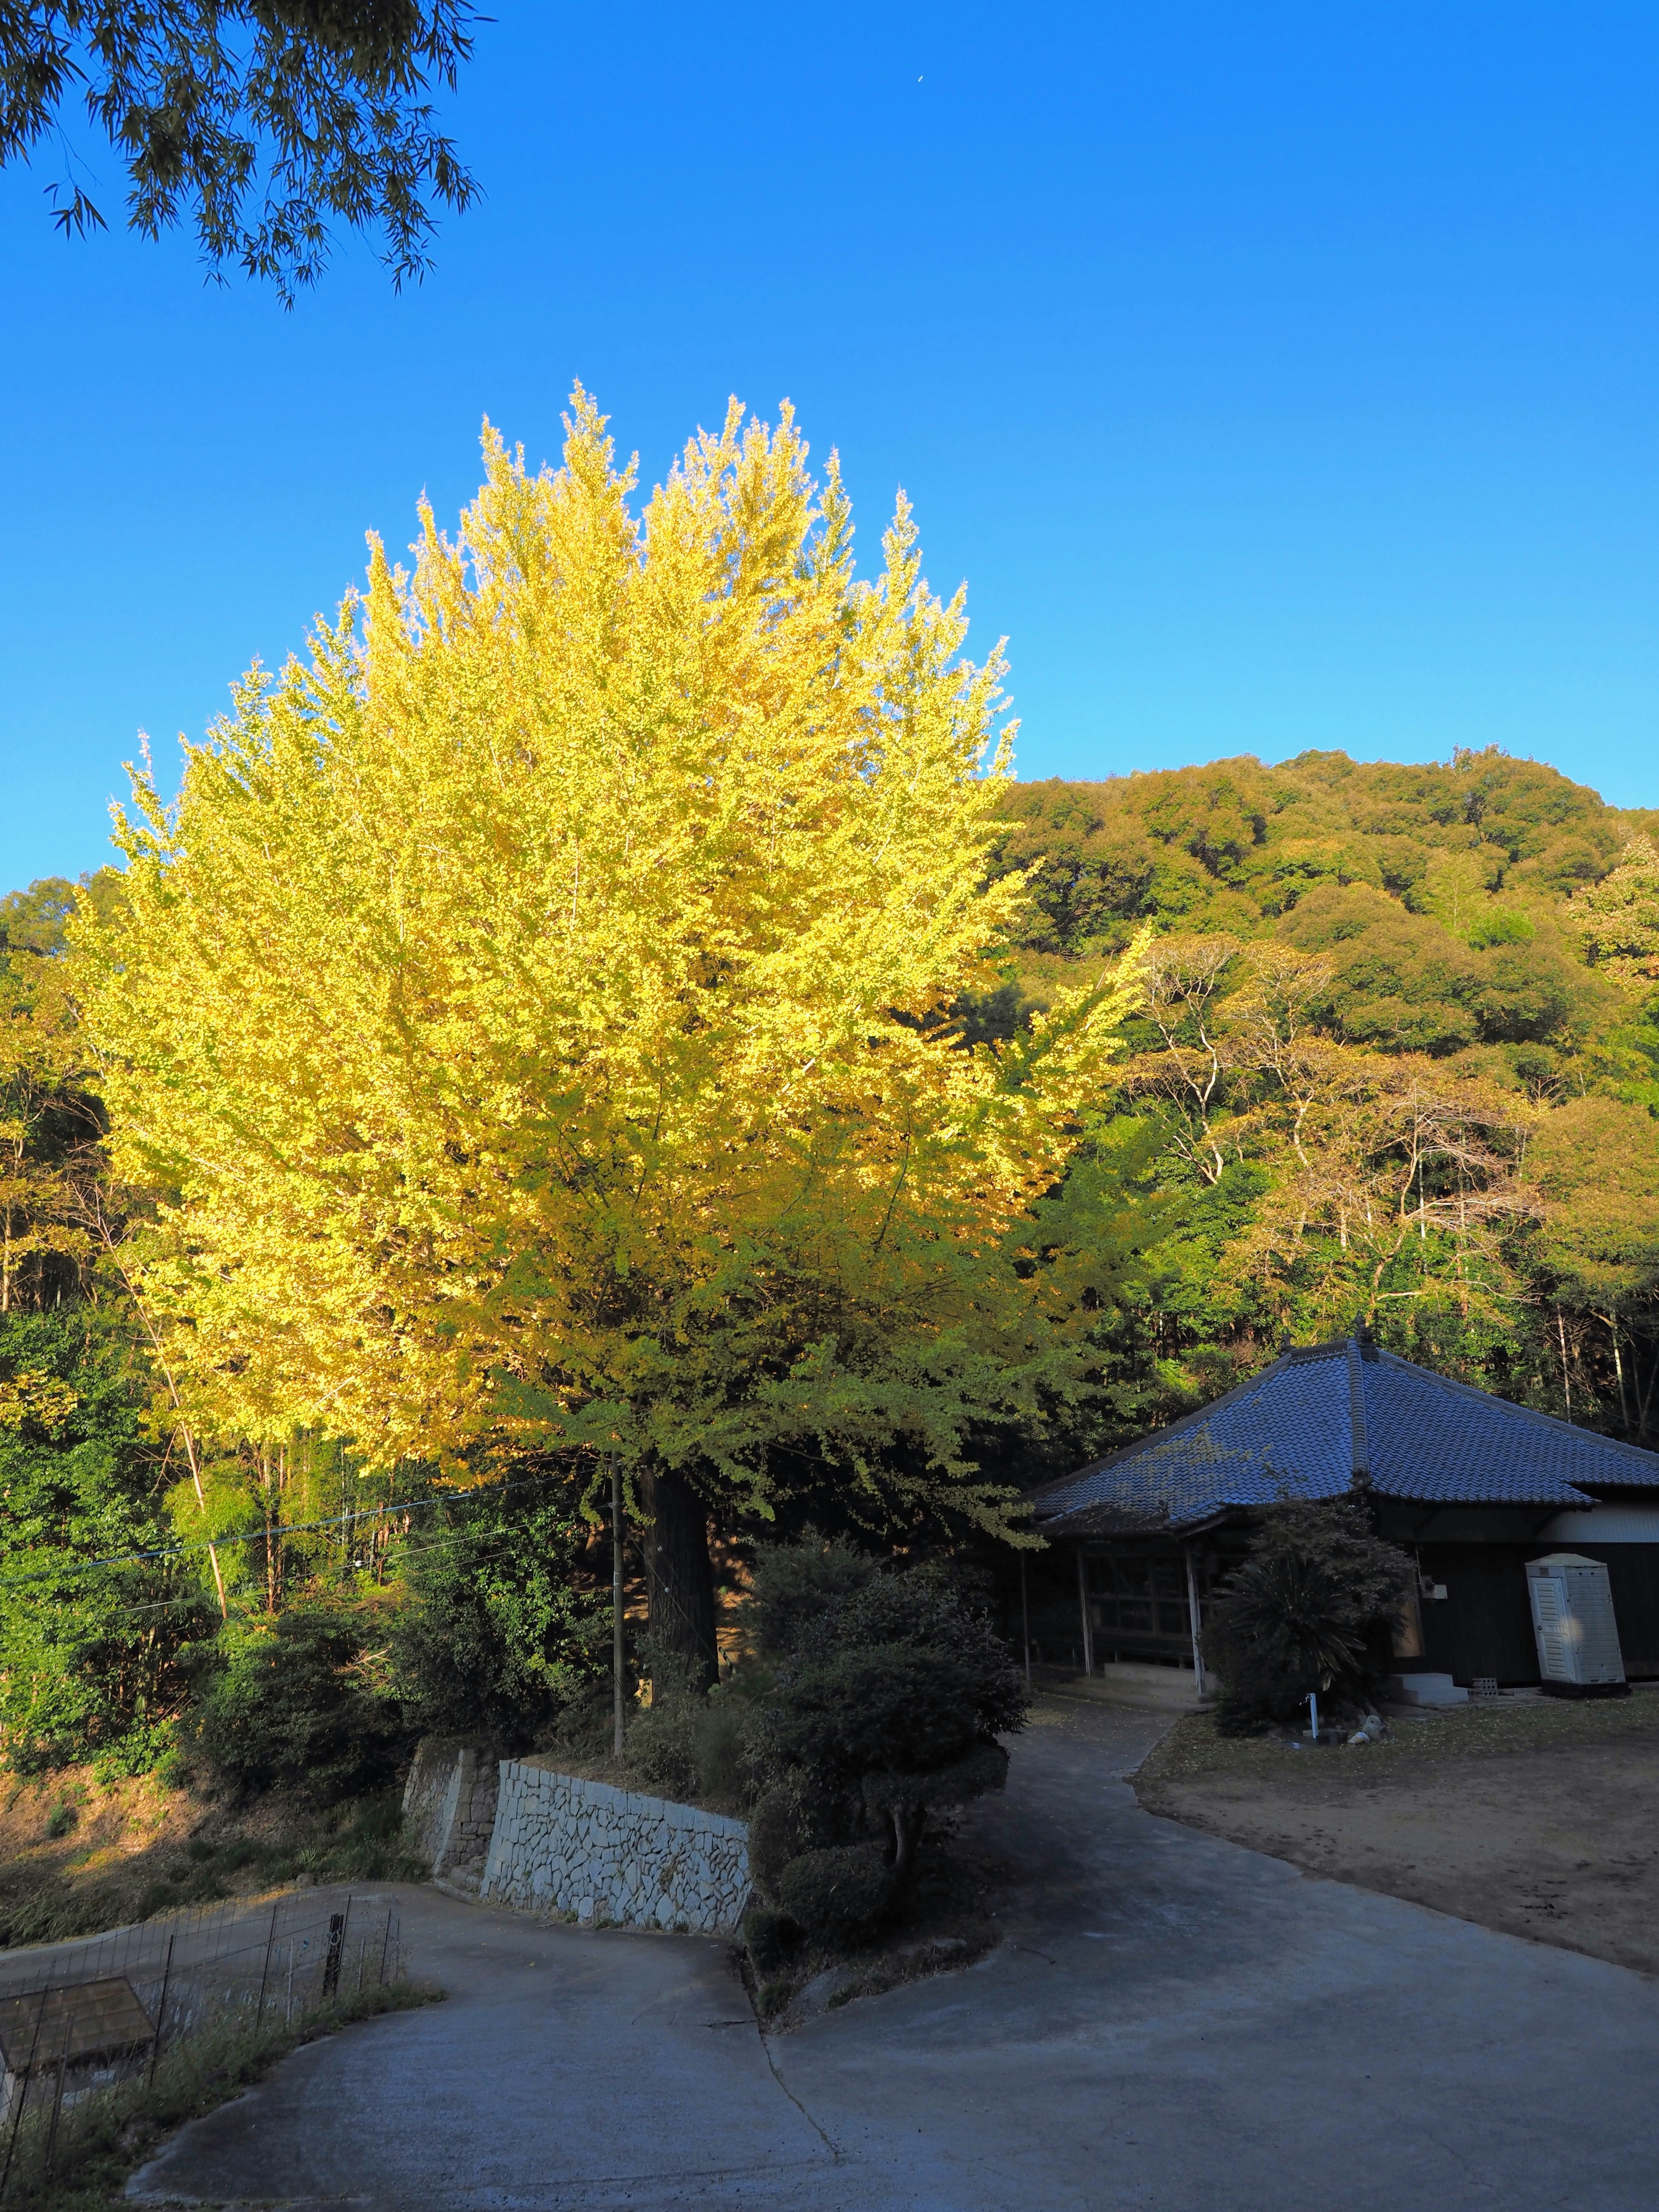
x: 898, y: 1679
x: 769, y: 1935
x: 1311, y: 1610
x: 982, y: 1768
x: 778, y: 1831
x: 838, y: 1896
x: 791, y: 1585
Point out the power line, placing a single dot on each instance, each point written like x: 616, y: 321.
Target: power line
x: 204, y: 1597
x: 263, y: 1535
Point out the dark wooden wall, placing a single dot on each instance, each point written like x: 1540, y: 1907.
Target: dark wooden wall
x: 1484, y: 1624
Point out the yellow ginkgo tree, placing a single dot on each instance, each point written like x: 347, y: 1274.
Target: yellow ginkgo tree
x: 533, y: 1020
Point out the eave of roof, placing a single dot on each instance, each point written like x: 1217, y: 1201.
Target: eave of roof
x: 1324, y: 1417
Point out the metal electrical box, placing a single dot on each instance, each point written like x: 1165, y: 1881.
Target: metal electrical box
x: 1572, y: 1619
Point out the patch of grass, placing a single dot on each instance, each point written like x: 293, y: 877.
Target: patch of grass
x: 109, y: 2133
x: 1484, y: 1729
x: 48, y: 1896
x: 771, y: 1997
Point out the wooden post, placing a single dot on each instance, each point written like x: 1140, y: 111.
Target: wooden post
x: 24, y: 2082
x: 265, y: 1970
x: 1088, y: 1626
x: 617, y: 1605
x: 71, y: 2006
x: 337, y: 1926
x: 161, y: 2011
x: 1196, y: 1618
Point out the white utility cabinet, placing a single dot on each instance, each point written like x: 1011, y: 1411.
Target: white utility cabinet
x: 1572, y: 1619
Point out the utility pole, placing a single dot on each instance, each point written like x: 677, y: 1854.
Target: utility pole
x: 616, y: 1601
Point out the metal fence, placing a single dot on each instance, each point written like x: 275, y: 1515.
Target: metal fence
x: 91, y: 2016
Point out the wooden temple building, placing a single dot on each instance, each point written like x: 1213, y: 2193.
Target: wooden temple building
x: 1472, y: 1487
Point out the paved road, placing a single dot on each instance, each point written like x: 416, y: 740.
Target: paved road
x: 1173, y: 2023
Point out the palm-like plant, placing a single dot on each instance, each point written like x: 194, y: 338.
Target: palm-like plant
x: 1305, y: 1613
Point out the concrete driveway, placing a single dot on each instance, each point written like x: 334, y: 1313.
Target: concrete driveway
x: 1172, y: 2023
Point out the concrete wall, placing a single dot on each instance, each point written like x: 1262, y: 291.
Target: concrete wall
x: 429, y: 1794
x: 449, y: 1809
x: 565, y: 1846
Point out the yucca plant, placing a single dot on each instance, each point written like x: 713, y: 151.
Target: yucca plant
x: 1307, y: 1612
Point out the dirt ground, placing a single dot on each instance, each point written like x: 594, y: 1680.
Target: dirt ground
x: 77, y: 1855
x: 1537, y: 1817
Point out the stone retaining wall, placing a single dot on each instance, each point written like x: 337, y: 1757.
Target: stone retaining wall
x: 562, y: 1844
x: 449, y: 1809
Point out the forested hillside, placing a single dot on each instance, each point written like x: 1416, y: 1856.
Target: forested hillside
x: 1399, y: 1060
x: 1387, y: 1048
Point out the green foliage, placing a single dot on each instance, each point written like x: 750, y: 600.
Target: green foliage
x: 791, y: 1584
x: 898, y: 1679
x: 1385, y: 1007
x: 1618, y: 918
x: 90, y: 1655
x: 769, y: 1935
x: 1597, y: 1161
x: 1310, y: 1610
x: 312, y: 110
x: 32, y: 922
x: 688, y: 1742
x: 52, y: 1128
x: 1480, y: 849
x: 981, y: 1767
x: 891, y: 1707
x: 300, y: 1704
x: 839, y: 1895
x: 508, y: 1622
x: 779, y: 1830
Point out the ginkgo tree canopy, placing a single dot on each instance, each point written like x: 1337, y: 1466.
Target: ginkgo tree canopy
x: 532, y: 1020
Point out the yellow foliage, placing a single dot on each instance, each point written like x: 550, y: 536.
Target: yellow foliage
x: 1617, y: 919
x: 37, y: 1400
x: 533, y: 1020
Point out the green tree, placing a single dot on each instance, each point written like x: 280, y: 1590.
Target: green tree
x: 90, y: 1654
x: 263, y: 123
x: 1375, y: 989
x: 508, y: 1619
x: 304, y: 1703
x: 52, y: 1128
x: 890, y: 1707
x: 1618, y: 918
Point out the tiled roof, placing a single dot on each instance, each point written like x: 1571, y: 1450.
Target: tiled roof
x: 1305, y: 1426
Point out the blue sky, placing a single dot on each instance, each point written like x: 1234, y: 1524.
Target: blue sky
x: 1276, y: 377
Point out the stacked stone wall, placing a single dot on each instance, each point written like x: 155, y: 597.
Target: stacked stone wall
x: 566, y: 1846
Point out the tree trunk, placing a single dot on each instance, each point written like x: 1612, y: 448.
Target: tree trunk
x: 680, y: 1573
x: 908, y: 1821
